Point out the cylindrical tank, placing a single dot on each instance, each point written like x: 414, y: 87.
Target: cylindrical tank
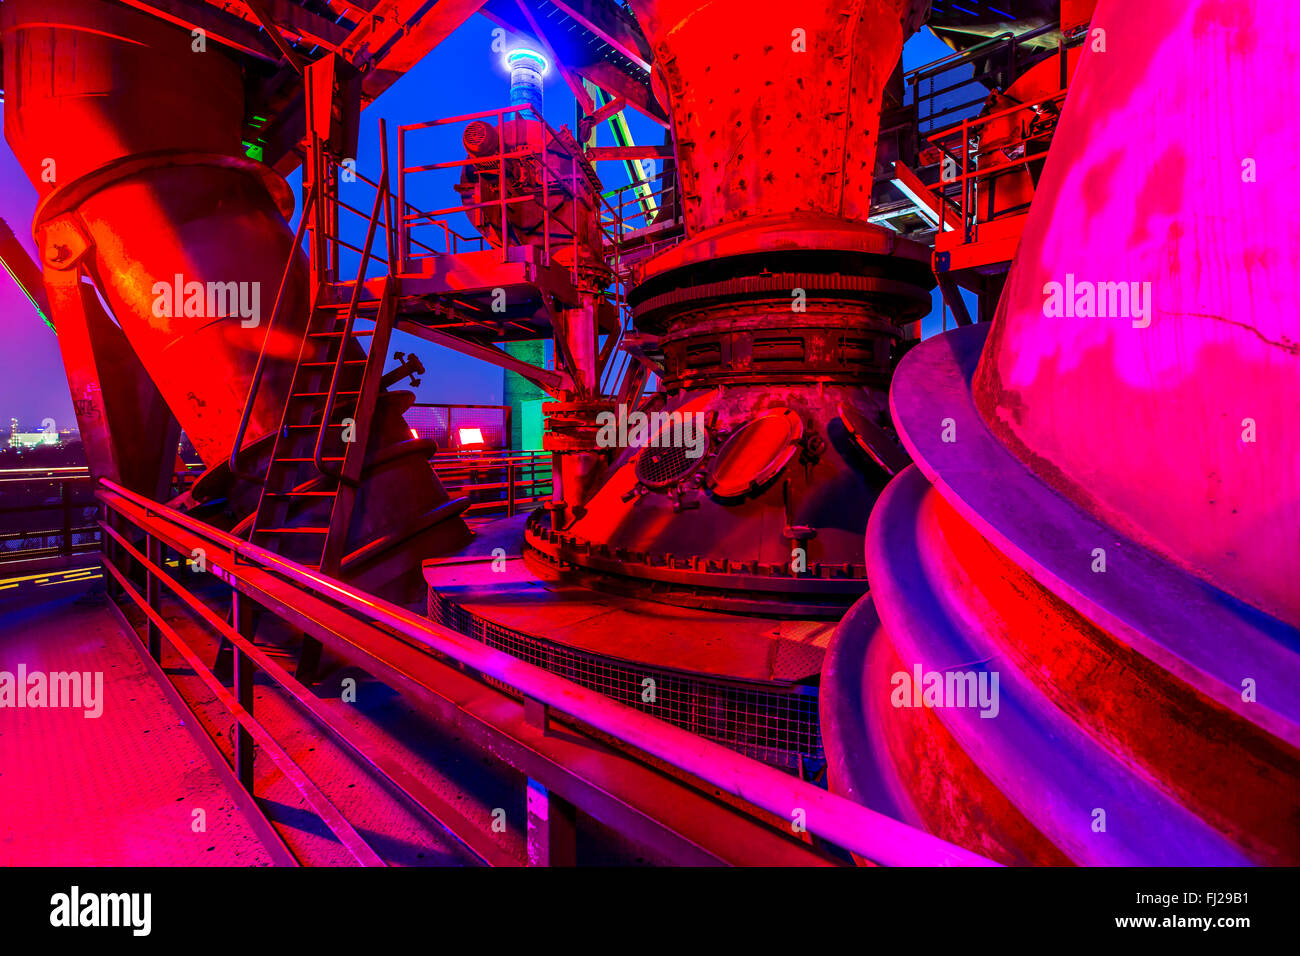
x: 1150, y: 380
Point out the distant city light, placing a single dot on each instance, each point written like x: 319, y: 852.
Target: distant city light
x: 21, y: 441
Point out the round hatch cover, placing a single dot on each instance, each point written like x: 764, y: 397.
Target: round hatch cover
x: 756, y: 453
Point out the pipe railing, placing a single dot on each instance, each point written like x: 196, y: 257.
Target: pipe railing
x: 965, y: 183
x: 73, y: 535
x: 866, y: 832
x: 466, y: 475
x: 259, y: 369
x: 76, y: 533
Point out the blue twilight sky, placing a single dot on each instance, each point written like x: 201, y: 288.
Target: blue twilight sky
x: 462, y: 75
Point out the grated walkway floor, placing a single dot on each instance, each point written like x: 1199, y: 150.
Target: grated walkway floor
x: 123, y: 788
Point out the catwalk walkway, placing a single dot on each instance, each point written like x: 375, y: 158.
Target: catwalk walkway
x: 127, y: 787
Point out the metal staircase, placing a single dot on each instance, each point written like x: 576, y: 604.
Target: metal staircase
x: 305, y: 508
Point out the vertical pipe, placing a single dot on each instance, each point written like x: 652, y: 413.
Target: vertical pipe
x: 403, y: 224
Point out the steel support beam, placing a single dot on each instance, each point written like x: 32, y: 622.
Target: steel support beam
x: 952, y: 295
x: 127, y: 431
x: 552, y: 381
x: 397, y: 34
x: 224, y: 28
x: 610, y: 23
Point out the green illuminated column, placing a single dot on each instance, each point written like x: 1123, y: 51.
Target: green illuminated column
x: 524, y: 398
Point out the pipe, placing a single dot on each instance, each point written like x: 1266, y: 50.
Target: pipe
x: 844, y: 823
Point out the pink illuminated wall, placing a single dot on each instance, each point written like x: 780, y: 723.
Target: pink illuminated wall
x: 1178, y: 420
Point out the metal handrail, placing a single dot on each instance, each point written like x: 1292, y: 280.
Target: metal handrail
x: 381, y: 202
x: 866, y: 832
x: 936, y: 67
x: 970, y: 173
x: 548, y: 180
x: 256, y: 382
x: 1009, y: 43
x: 237, y: 701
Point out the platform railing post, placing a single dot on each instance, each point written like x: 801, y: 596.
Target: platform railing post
x: 65, y: 547
x: 403, y: 226
x: 242, y: 617
x: 108, y: 546
x: 153, y: 594
x: 552, y: 828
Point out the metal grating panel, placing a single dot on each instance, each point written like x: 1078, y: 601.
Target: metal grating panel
x: 443, y: 422
x: 777, y: 725
x: 429, y: 422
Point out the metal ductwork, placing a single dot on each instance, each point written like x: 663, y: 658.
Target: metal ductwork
x: 145, y: 179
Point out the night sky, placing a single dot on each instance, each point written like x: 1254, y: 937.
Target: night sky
x: 462, y: 75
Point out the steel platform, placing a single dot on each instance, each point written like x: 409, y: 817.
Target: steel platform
x: 747, y: 682
x: 130, y: 787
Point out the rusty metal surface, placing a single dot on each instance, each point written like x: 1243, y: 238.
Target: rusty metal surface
x: 766, y: 128
x: 1169, y: 615
x: 158, y: 221
x: 535, y: 600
